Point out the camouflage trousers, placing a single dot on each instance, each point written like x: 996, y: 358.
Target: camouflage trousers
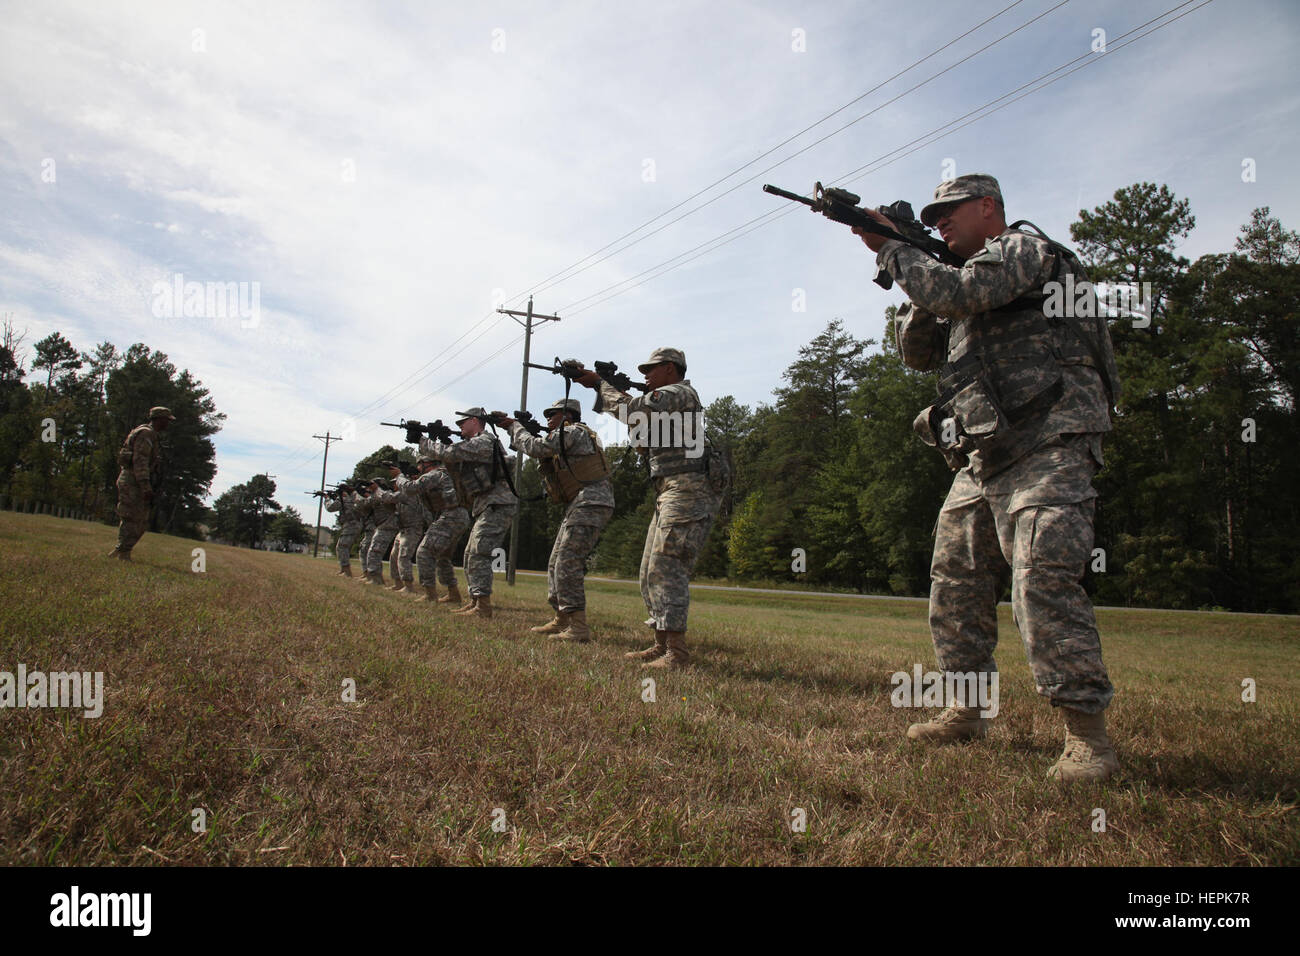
x: 438, y: 545
x: 134, y: 512
x: 1033, y: 523
x: 343, y: 547
x: 366, y: 537
x: 567, y: 566
x: 684, y: 509
x: 379, y: 550
x: 408, y: 539
x: 490, y: 530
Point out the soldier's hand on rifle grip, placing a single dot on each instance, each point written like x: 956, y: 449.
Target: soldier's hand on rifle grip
x: 588, y: 378
x: 873, y: 240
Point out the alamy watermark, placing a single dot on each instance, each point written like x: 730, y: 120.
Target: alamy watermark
x: 79, y: 690
x: 662, y: 429
x: 941, y: 688
x: 208, y: 300
x: 1112, y: 300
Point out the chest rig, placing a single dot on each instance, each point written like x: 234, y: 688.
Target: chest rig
x: 1005, y: 366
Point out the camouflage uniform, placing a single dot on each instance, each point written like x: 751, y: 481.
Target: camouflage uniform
x: 450, y: 520
x: 685, y: 504
x: 1027, y: 397
x: 365, y: 508
x: 584, y: 519
x: 493, y: 507
x: 410, y: 529
x: 349, y: 525
x: 384, y: 514
x: 139, y: 459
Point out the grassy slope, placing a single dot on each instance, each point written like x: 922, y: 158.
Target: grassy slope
x: 223, y: 692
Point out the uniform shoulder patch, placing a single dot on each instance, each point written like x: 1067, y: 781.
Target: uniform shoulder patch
x: 655, y: 395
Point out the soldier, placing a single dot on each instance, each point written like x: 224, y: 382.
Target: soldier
x: 437, y: 492
x: 576, y: 474
x: 687, y: 496
x: 411, y: 524
x: 365, y: 508
x: 481, y: 470
x: 139, y: 459
x: 384, y: 513
x: 1024, y: 400
x: 344, y: 503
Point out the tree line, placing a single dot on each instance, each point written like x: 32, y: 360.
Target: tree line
x: 63, y: 419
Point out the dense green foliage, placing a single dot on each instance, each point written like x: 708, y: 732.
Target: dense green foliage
x: 60, y: 432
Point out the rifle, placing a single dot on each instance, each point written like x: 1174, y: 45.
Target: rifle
x: 436, y: 430
x: 530, y: 424
x: 840, y: 205
x: 571, y: 369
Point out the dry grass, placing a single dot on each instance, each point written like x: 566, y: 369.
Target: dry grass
x: 223, y: 691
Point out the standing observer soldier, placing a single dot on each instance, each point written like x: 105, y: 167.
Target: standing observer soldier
x: 436, y: 490
x: 686, y: 496
x: 576, y: 474
x: 349, y: 525
x: 1024, y: 400
x: 140, y: 461
x: 482, y: 472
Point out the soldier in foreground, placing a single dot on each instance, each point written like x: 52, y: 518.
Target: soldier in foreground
x: 384, y: 514
x: 1024, y: 400
x: 482, y: 472
x: 349, y: 525
x: 686, y: 496
x: 576, y: 474
x: 436, y: 490
x: 139, y: 460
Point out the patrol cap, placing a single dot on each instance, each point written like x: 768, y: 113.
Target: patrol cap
x: 659, y: 356
x: 970, y: 186
x: 159, y: 412
x: 564, y: 405
x: 478, y: 411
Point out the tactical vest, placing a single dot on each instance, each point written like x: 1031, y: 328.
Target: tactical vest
x: 1004, y: 367
x: 566, y: 475
x: 126, y: 454
x: 670, y: 456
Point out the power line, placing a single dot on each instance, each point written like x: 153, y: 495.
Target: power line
x: 547, y: 282
x: 554, y: 279
x: 758, y: 222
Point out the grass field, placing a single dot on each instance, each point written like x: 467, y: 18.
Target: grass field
x: 223, y: 691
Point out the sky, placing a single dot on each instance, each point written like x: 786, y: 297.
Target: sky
x: 372, y: 181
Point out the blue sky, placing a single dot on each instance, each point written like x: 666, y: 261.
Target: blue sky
x: 389, y: 173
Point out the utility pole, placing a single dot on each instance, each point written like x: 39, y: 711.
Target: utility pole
x: 320, y: 503
x: 527, y: 323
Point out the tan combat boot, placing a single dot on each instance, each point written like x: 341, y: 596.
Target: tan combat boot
x: 469, y: 605
x: 576, y: 629
x: 482, y: 607
x: 453, y: 594
x: 954, y: 723
x: 676, y: 656
x: 398, y: 584
x: 430, y: 594
x: 659, y: 649
x: 379, y: 578
x: 409, y: 587
x: 347, y: 572
x: 555, y: 625
x: 1088, y: 755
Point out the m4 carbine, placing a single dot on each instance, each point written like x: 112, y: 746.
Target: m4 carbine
x: 572, y: 368
x: 530, y: 424
x: 840, y: 205
x: 436, y: 430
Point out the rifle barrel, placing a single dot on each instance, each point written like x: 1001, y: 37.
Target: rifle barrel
x: 778, y: 191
